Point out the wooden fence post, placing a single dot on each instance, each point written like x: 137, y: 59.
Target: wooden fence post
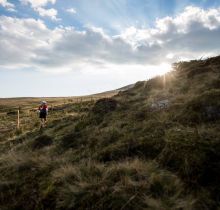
x: 18, y: 120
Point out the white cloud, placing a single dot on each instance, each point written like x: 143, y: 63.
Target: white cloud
x: 7, y: 5
x: 12, y: 10
x: 38, y: 3
x: 38, y: 6
x: 71, y: 10
x: 52, y: 13
x: 192, y: 33
x: 29, y: 43
x: 19, y: 38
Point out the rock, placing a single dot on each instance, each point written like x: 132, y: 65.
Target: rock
x: 104, y: 106
x: 162, y: 104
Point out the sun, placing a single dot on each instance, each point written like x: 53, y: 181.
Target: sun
x: 163, y: 69
x: 159, y: 70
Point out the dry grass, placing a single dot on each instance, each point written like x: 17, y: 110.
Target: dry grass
x: 122, y: 153
x: 126, y: 185
x: 28, y: 111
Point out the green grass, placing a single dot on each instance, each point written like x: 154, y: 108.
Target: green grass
x: 122, y: 152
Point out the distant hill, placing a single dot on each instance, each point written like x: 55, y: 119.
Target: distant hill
x: 32, y: 101
x: 154, y: 145
x: 127, y: 87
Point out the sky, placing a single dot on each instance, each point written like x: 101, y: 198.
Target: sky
x: 80, y: 47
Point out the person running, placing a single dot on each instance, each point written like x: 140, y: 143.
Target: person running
x: 43, y: 111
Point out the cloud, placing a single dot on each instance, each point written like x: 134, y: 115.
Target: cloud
x: 38, y: 3
x: 12, y: 10
x: 52, y: 13
x: 19, y: 38
x: 29, y: 43
x: 71, y: 10
x: 38, y: 6
x: 192, y: 33
x: 7, y: 5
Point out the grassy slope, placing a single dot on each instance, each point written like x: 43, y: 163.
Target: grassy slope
x: 124, y: 153
x: 28, y: 115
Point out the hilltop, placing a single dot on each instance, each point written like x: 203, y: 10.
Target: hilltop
x: 154, y: 145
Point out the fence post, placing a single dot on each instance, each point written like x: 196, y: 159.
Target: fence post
x: 18, y: 120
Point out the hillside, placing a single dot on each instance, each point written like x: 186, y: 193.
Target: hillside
x: 154, y: 146
x: 63, y: 106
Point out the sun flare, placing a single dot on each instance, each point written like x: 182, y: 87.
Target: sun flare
x: 160, y: 69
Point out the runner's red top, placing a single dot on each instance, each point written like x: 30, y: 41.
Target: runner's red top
x: 43, y: 107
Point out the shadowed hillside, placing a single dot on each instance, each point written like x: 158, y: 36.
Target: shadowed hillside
x: 153, y: 146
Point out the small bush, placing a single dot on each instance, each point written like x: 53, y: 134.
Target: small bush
x: 104, y: 106
x: 101, y: 108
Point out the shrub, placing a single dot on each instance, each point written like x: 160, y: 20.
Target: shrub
x: 101, y: 108
x: 104, y: 106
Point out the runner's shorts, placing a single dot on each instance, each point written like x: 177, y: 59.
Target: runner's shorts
x: 43, y: 115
